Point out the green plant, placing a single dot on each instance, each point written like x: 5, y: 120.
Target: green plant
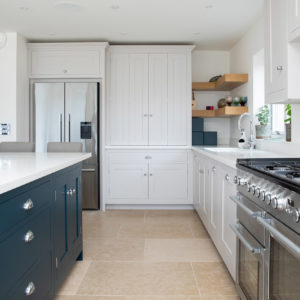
x: 263, y: 115
x: 288, y: 111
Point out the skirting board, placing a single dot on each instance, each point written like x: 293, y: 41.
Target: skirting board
x: 149, y: 207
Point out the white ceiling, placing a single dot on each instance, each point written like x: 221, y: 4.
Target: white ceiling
x: 210, y: 24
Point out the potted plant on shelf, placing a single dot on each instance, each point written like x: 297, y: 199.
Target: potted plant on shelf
x: 288, y: 121
x: 263, y: 130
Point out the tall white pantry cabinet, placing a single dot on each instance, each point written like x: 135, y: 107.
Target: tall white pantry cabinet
x: 148, y: 125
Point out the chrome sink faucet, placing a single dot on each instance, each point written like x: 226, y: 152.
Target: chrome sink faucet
x: 250, y: 144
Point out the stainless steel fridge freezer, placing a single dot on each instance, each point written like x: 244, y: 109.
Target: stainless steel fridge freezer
x: 67, y: 111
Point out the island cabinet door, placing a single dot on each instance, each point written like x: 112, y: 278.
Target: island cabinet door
x: 74, y: 208
x: 67, y: 222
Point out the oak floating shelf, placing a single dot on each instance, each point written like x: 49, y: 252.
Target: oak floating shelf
x: 227, y: 111
x: 227, y: 82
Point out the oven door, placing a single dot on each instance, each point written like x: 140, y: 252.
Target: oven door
x: 284, y: 261
x: 250, y: 264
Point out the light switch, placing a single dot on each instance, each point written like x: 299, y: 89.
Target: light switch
x: 4, y: 129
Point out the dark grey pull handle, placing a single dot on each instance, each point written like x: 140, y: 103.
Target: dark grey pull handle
x: 69, y: 127
x: 60, y: 127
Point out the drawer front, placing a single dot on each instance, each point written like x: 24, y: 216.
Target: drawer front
x: 37, y: 282
x: 64, y: 63
x: 17, y: 255
x: 13, y: 210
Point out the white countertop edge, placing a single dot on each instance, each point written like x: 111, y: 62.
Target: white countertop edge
x: 231, y: 159
x: 8, y: 186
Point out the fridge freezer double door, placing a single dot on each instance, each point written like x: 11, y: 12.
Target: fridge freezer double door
x: 68, y: 112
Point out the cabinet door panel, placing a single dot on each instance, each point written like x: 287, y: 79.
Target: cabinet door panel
x: 74, y: 211
x: 168, y: 182
x: 228, y: 216
x: 196, y: 173
x: 158, y: 99
x: 214, y: 199
x: 294, y: 19
x: 276, y: 47
x: 177, y: 102
x: 138, y: 100
x: 128, y: 181
x: 119, y: 100
x: 66, y: 63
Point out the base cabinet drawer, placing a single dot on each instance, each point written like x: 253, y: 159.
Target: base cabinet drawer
x: 36, y: 285
x: 19, y: 252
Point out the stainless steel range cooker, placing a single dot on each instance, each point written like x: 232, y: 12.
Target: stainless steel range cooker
x: 268, y: 228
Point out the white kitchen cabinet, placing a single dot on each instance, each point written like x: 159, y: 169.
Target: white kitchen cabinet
x: 63, y: 60
x: 177, y: 99
x: 294, y: 20
x: 213, y: 196
x: 158, y: 99
x: 168, y: 182
x: 213, y: 186
x: 227, y: 240
x: 147, y: 177
x: 276, y: 50
x: 129, y: 181
x: 156, y: 107
x: 138, y: 100
x: 282, y: 59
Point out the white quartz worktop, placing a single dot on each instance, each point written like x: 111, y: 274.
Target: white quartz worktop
x: 17, y: 169
x: 229, y: 156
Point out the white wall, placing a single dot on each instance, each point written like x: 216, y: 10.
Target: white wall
x: 241, y: 61
x: 205, y: 65
x: 14, y: 88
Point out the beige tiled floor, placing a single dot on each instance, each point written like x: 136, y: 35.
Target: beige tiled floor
x: 147, y: 255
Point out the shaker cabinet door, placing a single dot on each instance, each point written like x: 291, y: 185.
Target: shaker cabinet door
x: 138, y: 100
x: 158, y: 99
x: 276, y: 50
x: 177, y: 102
x: 294, y: 20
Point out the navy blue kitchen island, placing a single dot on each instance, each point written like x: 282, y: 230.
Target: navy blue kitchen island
x: 40, y: 233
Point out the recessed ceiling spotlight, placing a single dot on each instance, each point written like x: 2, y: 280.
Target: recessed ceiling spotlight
x: 52, y: 34
x: 196, y: 33
x: 115, y: 7
x: 123, y: 33
x: 24, y: 8
x: 209, y: 6
x: 67, y: 5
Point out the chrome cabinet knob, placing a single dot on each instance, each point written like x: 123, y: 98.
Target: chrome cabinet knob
x: 28, y: 205
x: 151, y: 174
x: 296, y: 215
x: 145, y: 174
x: 236, y: 180
x: 145, y: 115
x: 148, y: 157
x: 74, y: 191
x: 227, y: 177
x: 279, y: 68
x: 30, y: 289
x: 65, y: 71
x: 29, y: 236
x: 201, y: 171
x: 214, y: 169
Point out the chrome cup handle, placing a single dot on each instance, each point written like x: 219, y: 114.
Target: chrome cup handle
x: 28, y: 205
x: 29, y: 236
x: 30, y: 289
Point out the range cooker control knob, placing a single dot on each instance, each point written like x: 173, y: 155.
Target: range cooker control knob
x: 280, y: 203
x: 296, y: 215
x: 257, y: 192
x: 253, y: 189
x: 268, y: 199
x: 248, y: 187
x: 263, y: 195
x: 241, y: 181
